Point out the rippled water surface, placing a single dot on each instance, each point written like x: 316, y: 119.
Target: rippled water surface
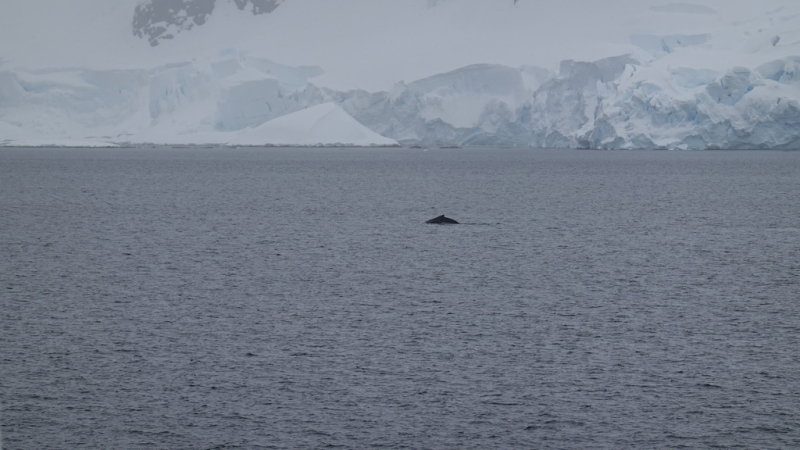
x: 295, y: 298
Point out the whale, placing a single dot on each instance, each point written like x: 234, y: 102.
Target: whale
x: 441, y: 219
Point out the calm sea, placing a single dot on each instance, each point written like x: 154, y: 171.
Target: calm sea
x: 295, y: 298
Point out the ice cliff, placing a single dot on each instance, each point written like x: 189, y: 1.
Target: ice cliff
x: 610, y: 103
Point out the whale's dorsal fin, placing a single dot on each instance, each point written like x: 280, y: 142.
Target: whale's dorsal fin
x: 442, y: 219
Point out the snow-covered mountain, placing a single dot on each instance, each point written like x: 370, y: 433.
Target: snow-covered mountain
x: 570, y: 73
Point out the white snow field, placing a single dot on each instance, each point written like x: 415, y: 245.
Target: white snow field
x: 696, y: 74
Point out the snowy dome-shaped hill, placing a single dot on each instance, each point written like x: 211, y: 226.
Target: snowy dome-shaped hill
x: 320, y: 125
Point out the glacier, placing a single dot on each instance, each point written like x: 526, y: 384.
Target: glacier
x: 700, y: 75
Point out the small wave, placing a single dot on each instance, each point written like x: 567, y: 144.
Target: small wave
x: 784, y: 230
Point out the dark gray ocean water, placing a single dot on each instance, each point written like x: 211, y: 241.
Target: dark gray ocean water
x: 295, y: 298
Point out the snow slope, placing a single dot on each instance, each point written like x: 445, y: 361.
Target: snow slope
x: 570, y: 73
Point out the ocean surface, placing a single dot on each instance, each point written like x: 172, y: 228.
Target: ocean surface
x: 177, y: 298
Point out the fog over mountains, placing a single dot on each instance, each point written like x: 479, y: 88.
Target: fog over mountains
x: 158, y: 20
x: 574, y: 74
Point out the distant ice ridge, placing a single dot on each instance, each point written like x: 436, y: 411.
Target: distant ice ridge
x: 61, y: 143
x: 616, y: 102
